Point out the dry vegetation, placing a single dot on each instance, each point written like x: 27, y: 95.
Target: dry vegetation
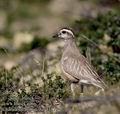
x: 30, y: 77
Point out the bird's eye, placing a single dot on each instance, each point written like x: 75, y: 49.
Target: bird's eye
x: 63, y: 32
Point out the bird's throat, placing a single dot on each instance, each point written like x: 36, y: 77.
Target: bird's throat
x: 69, y: 42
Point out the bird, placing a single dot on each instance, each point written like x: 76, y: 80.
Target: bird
x: 75, y: 66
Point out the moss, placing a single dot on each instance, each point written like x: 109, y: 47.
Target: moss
x: 54, y: 88
x: 15, y: 97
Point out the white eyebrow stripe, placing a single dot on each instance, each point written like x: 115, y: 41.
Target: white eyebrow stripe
x: 68, y: 31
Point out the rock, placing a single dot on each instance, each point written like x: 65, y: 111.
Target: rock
x: 105, y: 49
x: 30, y: 67
x: 20, y: 38
x: 53, y: 54
x: 9, y: 60
x: 37, y: 64
x: 9, y: 64
x: 53, y: 49
x: 106, y: 37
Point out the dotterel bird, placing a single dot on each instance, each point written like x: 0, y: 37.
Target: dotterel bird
x: 75, y: 66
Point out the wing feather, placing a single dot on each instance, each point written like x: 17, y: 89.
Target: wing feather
x: 81, y: 69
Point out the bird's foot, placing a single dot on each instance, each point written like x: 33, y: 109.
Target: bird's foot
x: 99, y: 92
x: 81, y: 94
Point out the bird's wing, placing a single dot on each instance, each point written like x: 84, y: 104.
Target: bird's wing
x: 80, y: 68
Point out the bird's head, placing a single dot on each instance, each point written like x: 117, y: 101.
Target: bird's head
x: 65, y: 33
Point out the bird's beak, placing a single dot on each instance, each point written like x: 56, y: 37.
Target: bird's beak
x: 55, y: 35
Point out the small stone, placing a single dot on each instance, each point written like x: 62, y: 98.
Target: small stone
x: 21, y: 38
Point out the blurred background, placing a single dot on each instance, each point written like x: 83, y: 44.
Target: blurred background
x: 29, y: 56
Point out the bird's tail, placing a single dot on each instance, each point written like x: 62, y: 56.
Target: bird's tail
x: 101, y: 84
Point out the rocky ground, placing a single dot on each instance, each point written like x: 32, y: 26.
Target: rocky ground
x: 30, y: 77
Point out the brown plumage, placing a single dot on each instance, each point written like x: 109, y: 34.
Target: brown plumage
x: 75, y: 66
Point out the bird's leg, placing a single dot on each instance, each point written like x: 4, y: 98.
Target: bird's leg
x: 73, y: 89
x: 98, y: 92
x: 82, y: 89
